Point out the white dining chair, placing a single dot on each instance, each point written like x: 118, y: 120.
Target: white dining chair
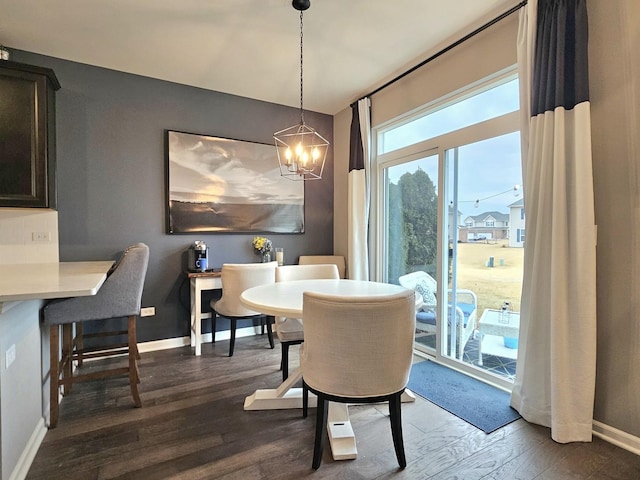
x: 357, y: 350
x: 337, y: 260
x: 236, y: 278
x: 290, y: 330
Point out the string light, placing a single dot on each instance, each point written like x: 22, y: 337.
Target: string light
x: 515, y: 189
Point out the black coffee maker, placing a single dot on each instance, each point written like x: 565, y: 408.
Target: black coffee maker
x: 199, y: 257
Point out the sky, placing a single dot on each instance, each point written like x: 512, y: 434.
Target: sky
x: 489, y: 171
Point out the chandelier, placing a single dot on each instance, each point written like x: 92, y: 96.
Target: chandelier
x: 301, y: 150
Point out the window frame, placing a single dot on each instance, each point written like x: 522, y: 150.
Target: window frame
x: 378, y: 261
x: 495, y: 127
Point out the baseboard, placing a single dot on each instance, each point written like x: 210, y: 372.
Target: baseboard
x: 177, y: 342
x: 29, y: 452
x: 617, y: 437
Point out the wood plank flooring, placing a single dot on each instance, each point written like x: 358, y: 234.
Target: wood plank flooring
x: 192, y: 426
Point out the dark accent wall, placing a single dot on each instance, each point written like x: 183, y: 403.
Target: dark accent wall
x: 112, y: 176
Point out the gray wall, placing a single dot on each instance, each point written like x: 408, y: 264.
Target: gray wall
x: 112, y: 176
x: 614, y: 76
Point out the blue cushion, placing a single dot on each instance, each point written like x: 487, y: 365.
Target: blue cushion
x: 430, y: 317
x: 426, y: 317
x: 467, y: 309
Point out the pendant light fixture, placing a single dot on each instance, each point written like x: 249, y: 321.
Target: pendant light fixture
x: 301, y: 150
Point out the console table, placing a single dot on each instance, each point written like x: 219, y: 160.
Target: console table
x: 200, y: 281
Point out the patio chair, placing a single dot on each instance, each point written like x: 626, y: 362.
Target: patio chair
x: 465, y: 309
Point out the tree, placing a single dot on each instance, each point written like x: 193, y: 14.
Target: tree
x: 413, y: 217
x: 397, y: 246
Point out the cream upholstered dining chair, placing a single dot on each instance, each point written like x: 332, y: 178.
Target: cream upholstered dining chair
x: 337, y: 260
x: 289, y: 330
x: 120, y: 296
x: 236, y: 278
x: 357, y: 350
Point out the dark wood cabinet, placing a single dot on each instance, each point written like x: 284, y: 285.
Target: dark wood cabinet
x: 27, y: 135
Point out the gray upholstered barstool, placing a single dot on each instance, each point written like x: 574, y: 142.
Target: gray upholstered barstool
x: 120, y: 296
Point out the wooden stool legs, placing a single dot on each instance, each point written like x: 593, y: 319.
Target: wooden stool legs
x: 134, y: 355
x: 54, y: 362
x: 73, y: 350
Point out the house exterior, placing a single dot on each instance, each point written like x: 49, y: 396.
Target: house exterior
x: 486, y: 226
x: 516, y: 223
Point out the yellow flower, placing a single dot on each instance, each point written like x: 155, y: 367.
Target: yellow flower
x: 261, y: 245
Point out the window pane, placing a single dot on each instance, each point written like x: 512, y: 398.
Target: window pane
x: 484, y: 188
x: 491, y: 103
x: 412, y: 215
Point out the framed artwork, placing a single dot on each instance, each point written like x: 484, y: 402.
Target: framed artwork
x: 218, y: 185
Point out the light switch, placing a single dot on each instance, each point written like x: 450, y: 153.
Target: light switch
x: 10, y: 356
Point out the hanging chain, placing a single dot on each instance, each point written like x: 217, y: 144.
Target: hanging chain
x: 301, y: 88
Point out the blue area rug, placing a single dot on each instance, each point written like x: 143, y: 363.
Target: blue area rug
x: 475, y: 402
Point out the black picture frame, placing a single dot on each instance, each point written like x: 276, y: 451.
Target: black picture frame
x: 223, y: 185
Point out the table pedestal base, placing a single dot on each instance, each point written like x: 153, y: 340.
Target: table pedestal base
x: 268, y: 399
x: 341, y: 436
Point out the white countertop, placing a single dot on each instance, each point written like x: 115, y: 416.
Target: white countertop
x: 31, y: 281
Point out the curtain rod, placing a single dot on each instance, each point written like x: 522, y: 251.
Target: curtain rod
x: 445, y: 50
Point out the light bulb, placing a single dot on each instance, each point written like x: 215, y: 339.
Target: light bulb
x: 287, y: 154
x: 316, y: 153
x: 299, y: 149
x: 305, y: 158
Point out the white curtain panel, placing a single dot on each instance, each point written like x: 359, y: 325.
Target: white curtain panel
x: 555, y: 375
x: 359, y: 191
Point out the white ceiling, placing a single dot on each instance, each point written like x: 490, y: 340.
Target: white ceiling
x: 249, y: 48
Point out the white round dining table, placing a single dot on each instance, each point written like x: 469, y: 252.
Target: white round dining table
x: 285, y: 299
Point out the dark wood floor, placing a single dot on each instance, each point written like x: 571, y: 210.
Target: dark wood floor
x: 192, y: 426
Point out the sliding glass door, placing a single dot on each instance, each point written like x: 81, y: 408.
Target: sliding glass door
x: 450, y: 224
x: 484, y: 254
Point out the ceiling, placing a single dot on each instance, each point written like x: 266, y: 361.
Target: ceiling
x: 249, y: 48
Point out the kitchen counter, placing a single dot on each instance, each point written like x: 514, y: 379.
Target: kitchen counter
x: 32, y: 281
x: 24, y: 382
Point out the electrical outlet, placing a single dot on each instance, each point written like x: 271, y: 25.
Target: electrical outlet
x: 147, y: 311
x: 10, y: 356
x: 40, y: 236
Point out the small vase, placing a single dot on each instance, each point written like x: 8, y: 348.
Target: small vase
x: 265, y: 257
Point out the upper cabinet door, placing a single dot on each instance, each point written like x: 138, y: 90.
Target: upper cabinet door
x: 27, y: 136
